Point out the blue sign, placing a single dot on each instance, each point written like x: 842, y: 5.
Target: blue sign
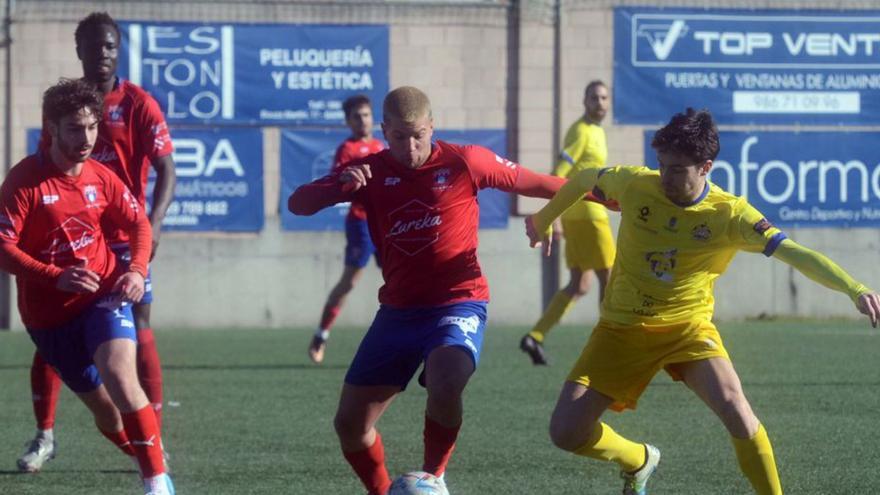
x: 804, y: 179
x: 747, y: 66
x: 219, y: 181
x: 308, y: 154
x: 269, y: 74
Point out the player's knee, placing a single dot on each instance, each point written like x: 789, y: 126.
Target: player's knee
x: 735, y: 412
x: 565, y: 437
x: 347, y: 426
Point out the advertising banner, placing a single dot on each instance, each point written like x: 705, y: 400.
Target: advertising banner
x: 747, y: 66
x: 267, y: 74
x: 806, y: 179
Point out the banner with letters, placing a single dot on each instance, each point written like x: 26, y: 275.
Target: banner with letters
x: 747, y: 66
x: 219, y: 180
x: 308, y: 154
x: 266, y: 74
x: 805, y: 179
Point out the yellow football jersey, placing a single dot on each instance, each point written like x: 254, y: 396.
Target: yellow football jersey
x: 669, y: 255
x: 584, y: 147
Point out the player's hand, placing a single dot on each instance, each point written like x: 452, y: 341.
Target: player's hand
x: 543, y: 239
x: 869, y: 304
x: 130, y: 287
x: 78, y: 279
x: 355, y: 177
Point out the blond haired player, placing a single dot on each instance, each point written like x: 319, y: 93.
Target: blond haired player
x: 678, y: 233
x: 589, y: 245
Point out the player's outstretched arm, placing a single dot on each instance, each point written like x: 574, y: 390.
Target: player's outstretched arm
x: 570, y: 193
x: 819, y: 268
x: 313, y: 197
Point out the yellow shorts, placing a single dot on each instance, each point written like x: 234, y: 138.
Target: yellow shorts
x: 619, y: 360
x: 589, y: 244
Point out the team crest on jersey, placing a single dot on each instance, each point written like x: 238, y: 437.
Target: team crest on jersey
x: 670, y: 226
x: 91, y: 193
x: 762, y: 226
x: 701, y: 232
x: 115, y: 116
x: 441, y: 179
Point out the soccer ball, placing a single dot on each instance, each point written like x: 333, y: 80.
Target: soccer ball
x: 418, y: 483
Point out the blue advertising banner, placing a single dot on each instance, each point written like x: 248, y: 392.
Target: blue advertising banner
x: 269, y: 74
x: 800, y: 179
x: 308, y: 154
x: 747, y: 66
x: 219, y: 180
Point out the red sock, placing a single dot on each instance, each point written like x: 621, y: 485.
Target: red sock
x: 143, y: 431
x: 45, y: 387
x: 119, y: 439
x: 150, y: 370
x: 439, y: 444
x: 329, y: 316
x: 369, y: 465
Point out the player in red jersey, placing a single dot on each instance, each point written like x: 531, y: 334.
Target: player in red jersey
x: 421, y: 202
x: 359, y: 247
x: 131, y: 137
x: 73, y: 296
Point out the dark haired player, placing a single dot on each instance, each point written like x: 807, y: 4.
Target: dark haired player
x: 359, y: 247
x: 73, y: 295
x: 678, y: 233
x: 132, y: 136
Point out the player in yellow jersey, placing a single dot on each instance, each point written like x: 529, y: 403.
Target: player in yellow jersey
x: 589, y: 245
x: 678, y: 233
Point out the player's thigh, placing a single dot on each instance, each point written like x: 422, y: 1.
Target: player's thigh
x: 714, y: 380
x: 588, y: 244
x: 618, y: 362
x: 448, y: 369
x: 359, y: 246
x: 64, y: 349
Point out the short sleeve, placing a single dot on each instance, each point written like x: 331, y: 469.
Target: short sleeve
x: 573, y: 148
x: 157, y: 141
x: 752, y: 232
x: 490, y: 170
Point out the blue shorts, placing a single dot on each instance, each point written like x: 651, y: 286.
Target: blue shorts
x: 123, y: 257
x: 69, y: 348
x: 400, y: 339
x: 358, y: 244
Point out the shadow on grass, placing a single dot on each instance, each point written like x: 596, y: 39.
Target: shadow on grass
x: 249, y: 367
x: 255, y: 367
x: 53, y: 472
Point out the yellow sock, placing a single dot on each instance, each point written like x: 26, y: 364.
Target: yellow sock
x: 756, y: 460
x: 606, y: 445
x: 559, y: 305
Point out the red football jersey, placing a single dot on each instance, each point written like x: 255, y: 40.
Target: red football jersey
x: 56, y: 219
x: 425, y: 221
x: 131, y: 134
x: 352, y: 149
